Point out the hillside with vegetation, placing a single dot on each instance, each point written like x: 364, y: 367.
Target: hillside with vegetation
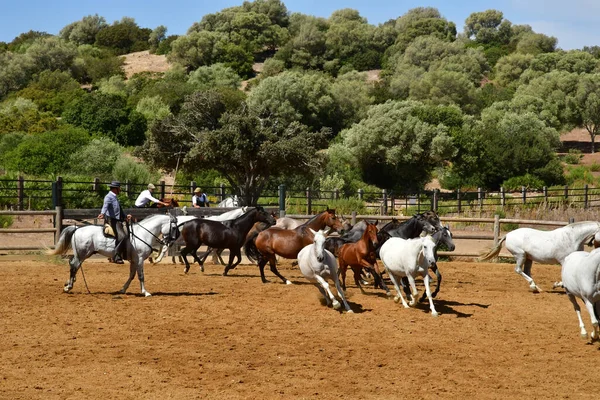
x: 336, y: 103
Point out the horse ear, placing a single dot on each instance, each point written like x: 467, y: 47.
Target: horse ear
x: 326, y: 231
x: 314, y: 232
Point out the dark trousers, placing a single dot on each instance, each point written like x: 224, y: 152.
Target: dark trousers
x: 121, y: 237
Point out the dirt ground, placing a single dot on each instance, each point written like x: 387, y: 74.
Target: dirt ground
x: 207, y: 336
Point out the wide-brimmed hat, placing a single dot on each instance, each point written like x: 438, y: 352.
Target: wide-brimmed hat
x: 115, y: 184
x: 197, y: 190
x: 151, y: 186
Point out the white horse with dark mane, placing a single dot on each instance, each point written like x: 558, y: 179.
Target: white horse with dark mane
x: 318, y: 265
x: 581, y: 278
x: 546, y: 247
x: 88, y: 240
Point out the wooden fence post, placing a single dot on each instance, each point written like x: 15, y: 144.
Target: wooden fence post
x: 502, y: 197
x: 222, y: 192
x: 353, y: 218
x: 127, y: 188
x: 496, y: 229
x: 20, y: 192
x: 336, y: 194
x: 281, y: 201
x: 162, y: 189
x: 566, y: 192
x: 458, y: 199
x: 585, y: 196
x: 58, y: 218
x: 480, y: 197
x: 435, y: 200
x: 385, y: 204
x: 308, y: 201
x: 360, y: 194
x: 96, y: 185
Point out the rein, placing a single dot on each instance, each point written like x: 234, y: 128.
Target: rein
x: 161, y: 241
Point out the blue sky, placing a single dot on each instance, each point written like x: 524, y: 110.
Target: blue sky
x: 572, y: 22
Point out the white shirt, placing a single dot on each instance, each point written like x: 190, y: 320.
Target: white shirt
x: 144, y: 198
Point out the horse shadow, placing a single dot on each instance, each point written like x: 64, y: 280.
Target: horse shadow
x: 119, y: 295
x: 444, y: 307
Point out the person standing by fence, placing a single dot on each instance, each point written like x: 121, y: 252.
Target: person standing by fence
x: 146, y: 197
x: 113, y: 215
x: 199, y: 199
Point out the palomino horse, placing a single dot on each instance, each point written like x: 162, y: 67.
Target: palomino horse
x: 317, y: 265
x: 361, y: 255
x: 88, y: 240
x: 216, y: 235
x: 581, y: 278
x: 547, y: 247
x: 287, y: 243
x: 410, y: 258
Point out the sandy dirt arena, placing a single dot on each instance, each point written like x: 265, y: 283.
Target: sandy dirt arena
x: 207, y: 336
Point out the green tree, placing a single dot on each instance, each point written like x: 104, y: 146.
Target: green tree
x: 124, y: 36
x: 46, y: 153
x: 214, y: 76
x: 158, y: 35
x: 588, y: 102
x: 85, y: 30
x: 97, y: 158
x: 393, y: 147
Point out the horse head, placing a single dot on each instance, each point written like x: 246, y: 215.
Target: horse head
x: 433, y: 218
x: 371, y: 233
x: 443, y: 237
x: 425, y: 224
x: 264, y: 216
x: 319, y: 243
x: 331, y: 220
x: 428, y: 250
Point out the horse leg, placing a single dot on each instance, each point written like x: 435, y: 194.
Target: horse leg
x: 379, y: 280
x: 434, y: 313
x: 132, y: 272
x: 324, y: 288
x: 573, y: 300
x: 261, y: 266
x: 405, y: 286
x: 327, y: 299
x: 184, y: 252
x: 438, y: 276
x: 163, y: 251
x: 341, y: 293
x: 140, y: 273
x: 526, y: 272
x: 342, y: 272
x: 195, y: 255
x: 398, y: 291
x: 231, y: 264
x: 590, y: 307
x: 413, y: 290
x: 357, y: 270
x: 74, y: 264
x: 273, y: 265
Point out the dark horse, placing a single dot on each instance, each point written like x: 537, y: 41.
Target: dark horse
x: 287, y: 243
x: 359, y: 255
x: 216, y: 235
x: 412, y: 228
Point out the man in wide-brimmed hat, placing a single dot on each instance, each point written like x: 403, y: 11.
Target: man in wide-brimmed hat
x: 146, y: 197
x: 114, y: 215
x: 199, y: 198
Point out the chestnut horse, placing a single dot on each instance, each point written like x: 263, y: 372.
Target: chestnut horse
x: 359, y: 255
x: 263, y: 246
x: 171, y: 203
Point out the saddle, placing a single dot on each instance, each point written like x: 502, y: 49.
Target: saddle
x: 108, y: 231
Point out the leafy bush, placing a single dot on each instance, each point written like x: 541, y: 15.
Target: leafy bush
x: 579, y: 175
x: 127, y: 169
x: 573, y: 157
x: 6, y: 221
x: 529, y: 181
x: 98, y: 158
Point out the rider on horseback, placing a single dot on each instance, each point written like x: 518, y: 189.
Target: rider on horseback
x: 114, y: 216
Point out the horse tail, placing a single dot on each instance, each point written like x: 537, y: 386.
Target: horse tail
x: 493, y: 252
x: 250, y: 248
x: 64, y: 241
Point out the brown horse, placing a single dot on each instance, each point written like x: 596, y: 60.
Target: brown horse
x: 359, y: 255
x: 171, y: 203
x: 287, y: 243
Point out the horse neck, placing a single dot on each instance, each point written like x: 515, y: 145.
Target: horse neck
x: 151, y: 226
x: 317, y: 222
x: 245, y: 222
x: 583, y: 231
x: 365, y: 241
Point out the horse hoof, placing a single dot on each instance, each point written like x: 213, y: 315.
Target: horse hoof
x: 434, y: 314
x: 288, y: 282
x: 389, y: 294
x: 349, y: 312
x: 396, y: 299
x: 336, y: 305
x: 147, y: 294
x: 66, y: 289
x: 584, y: 335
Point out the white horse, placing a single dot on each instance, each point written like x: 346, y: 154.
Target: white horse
x: 581, y: 278
x: 88, y: 240
x: 287, y: 223
x: 410, y: 258
x: 230, y: 201
x: 546, y: 247
x: 317, y: 265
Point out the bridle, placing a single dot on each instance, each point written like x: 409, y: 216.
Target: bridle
x: 166, y: 240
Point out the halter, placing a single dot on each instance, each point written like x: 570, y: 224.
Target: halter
x: 166, y: 241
